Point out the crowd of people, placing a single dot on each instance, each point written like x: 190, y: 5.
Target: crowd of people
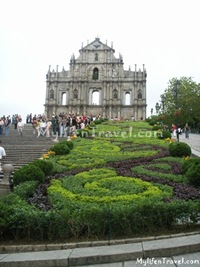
x: 7, y: 121
x: 62, y: 124
x: 42, y: 125
x: 178, y: 130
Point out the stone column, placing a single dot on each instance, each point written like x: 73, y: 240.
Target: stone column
x: 5, y: 182
x: 119, y: 113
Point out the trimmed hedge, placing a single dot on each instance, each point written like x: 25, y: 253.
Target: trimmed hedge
x: 60, y: 148
x: 193, y: 175
x: 156, y: 127
x: 44, y: 165
x: 89, y: 220
x: 179, y: 149
x: 164, y: 134
x: 188, y: 163
x: 28, y: 173
x: 152, y: 122
x: 26, y: 189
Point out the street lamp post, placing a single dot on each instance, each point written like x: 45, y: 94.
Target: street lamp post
x: 163, y: 108
x: 163, y: 101
x: 175, y: 92
x: 157, y: 107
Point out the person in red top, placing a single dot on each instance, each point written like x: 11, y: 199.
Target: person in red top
x: 174, y: 129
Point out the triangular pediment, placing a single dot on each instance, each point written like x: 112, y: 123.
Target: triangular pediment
x: 97, y: 44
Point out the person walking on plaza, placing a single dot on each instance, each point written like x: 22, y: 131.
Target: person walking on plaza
x: 187, y: 129
x: 174, y: 129
x: 2, y: 155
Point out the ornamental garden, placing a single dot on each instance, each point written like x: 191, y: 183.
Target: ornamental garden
x: 111, y: 180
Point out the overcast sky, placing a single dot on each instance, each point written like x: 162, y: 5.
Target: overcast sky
x: 162, y: 34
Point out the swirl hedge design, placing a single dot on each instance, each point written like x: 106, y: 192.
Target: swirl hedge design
x: 119, y: 183
x: 104, y: 186
x: 91, y: 153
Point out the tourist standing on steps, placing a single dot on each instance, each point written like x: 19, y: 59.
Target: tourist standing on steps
x: 35, y: 125
x: 2, y: 155
x: 1, y: 126
x: 20, y: 126
x: 7, y: 125
x: 15, y: 121
x: 48, y: 127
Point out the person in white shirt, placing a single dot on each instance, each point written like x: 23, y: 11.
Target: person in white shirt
x: 2, y: 155
x: 48, y: 127
x: 82, y: 125
x: 43, y: 126
x: 20, y: 126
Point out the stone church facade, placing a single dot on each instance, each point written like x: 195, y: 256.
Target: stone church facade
x: 97, y: 84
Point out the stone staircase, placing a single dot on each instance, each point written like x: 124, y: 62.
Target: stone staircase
x: 21, y: 150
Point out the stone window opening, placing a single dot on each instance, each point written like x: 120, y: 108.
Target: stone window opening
x: 139, y: 94
x: 127, y: 98
x: 52, y: 94
x: 95, y: 74
x: 75, y: 94
x: 63, y: 99
x: 115, y: 94
x: 96, y: 57
x: 95, y: 97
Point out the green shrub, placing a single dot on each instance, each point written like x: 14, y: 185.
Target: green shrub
x: 193, y: 174
x: 17, y: 219
x: 148, y: 119
x: 6, y: 211
x: 152, y: 122
x: 70, y: 144
x: 57, y: 168
x: 156, y: 127
x: 164, y: 134
x: 99, y: 121
x: 45, y: 165
x: 28, y: 173
x: 179, y: 149
x: 188, y: 163
x: 61, y: 148
x: 26, y: 189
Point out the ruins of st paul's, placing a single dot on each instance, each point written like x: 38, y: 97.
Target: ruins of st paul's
x: 97, y: 84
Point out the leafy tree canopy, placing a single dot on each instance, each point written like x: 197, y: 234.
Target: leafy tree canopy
x: 187, y: 107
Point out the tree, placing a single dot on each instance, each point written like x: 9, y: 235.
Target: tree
x: 188, y: 103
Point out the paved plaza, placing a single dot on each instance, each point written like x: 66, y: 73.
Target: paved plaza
x: 193, y: 141
x: 176, y: 250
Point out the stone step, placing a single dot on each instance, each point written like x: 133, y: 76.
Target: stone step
x: 21, y: 150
